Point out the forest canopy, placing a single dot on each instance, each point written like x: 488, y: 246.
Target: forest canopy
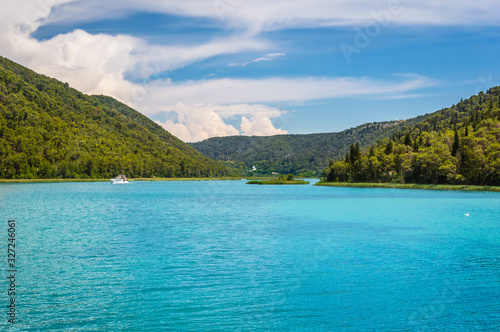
x: 457, y: 145
x: 298, y: 154
x: 49, y: 130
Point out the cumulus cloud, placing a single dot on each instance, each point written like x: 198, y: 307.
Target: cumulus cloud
x: 198, y: 122
x: 259, y: 125
x: 98, y: 63
x: 217, y: 100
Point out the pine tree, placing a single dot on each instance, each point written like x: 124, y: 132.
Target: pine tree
x: 408, y: 141
x: 353, y: 154
x: 456, y: 144
x: 372, y: 151
x: 389, y: 147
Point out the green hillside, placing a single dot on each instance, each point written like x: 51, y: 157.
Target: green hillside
x: 49, y: 130
x: 306, y: 154
x: 457, y: 145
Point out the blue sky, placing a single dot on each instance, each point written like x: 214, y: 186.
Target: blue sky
x: 230, y: 67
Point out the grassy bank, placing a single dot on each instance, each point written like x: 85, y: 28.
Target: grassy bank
x: 108, y: 180
x: 408, y: 186
x: 278, y: 182
x: 50, y: 180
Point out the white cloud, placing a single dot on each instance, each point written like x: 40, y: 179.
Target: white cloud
x: 275, y: 55
x: 259, y: 125
x: 273, y: 90
x: 267, y: 57
x: 99, y: 63
x: 213, y: 101
x: 254, y: 61
x: 259, y: 15
x: 198, y: 122
x: 151, y: 59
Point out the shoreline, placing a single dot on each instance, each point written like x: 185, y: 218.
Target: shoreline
x: 408, y: 186
x: 108, y: 180
x: 263, y: 181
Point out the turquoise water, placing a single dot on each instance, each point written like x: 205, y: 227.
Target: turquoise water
x: 224, y: 256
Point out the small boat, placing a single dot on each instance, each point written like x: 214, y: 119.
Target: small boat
x: 119, y: 179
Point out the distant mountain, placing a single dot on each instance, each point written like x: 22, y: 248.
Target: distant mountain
x: 49, y: 130
x: 457, y: 145
x: 306, y: 154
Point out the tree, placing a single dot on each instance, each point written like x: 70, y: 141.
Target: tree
x: 372, y: 151
x: 352, y: 154
x: 355, y: 153
x: 49, y: 130
x: 439, y: 156
x: 290, y: 177
x: 408, y: 141
x: 389, y: 148
x: 456, y: 144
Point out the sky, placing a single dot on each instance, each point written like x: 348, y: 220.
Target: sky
x: 207, y: 68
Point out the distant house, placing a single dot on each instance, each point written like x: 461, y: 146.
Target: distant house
x: 253, y: 168
x: 275, y: 173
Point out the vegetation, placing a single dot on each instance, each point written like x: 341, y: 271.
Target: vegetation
x: 289, y: 179
x: 457, y: 146
x: 307, y: 154
x: 49, y: 130
x: 50, y: 180
x: 407, y: 186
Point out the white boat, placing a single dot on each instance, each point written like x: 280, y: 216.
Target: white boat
x: 119, y: 179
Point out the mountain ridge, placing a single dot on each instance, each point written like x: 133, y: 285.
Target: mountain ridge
x: 459, y: 145
x: 308, y: 154
x: 50, y: 130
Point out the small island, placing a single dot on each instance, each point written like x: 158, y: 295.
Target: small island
x: 278, y: 182
x: 290, y: 179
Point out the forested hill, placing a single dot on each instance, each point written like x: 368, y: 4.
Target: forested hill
x: 307, y: 154
x: 49, y: 130
x: 457, y: 145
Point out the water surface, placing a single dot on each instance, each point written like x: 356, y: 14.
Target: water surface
x: 222, y: 255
